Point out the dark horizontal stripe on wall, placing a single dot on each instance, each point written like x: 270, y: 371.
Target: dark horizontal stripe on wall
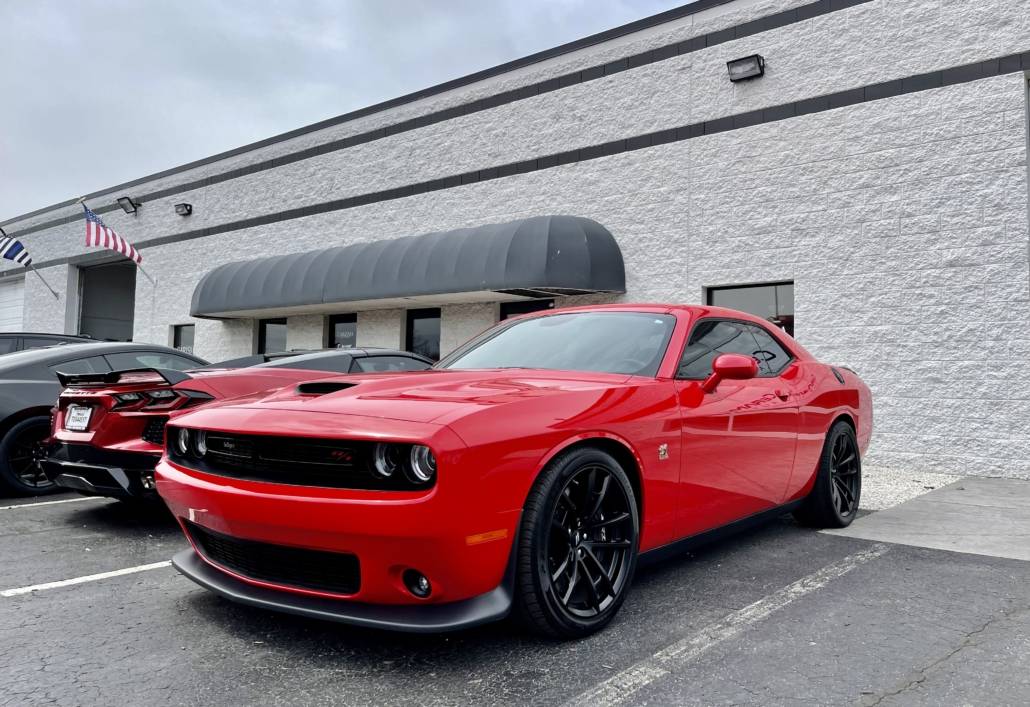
x: 874, y: 92
x: 747, y: 29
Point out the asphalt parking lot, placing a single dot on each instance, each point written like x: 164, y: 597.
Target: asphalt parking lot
x: 780, y: 615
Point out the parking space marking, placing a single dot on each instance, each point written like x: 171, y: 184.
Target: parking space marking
x: 621, y: 686
x: 53, y: 503
x: 87, y: 578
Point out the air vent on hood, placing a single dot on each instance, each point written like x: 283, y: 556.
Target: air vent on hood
x: 322, y: 387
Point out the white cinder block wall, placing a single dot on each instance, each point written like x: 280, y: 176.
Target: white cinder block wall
x: 902, y: 221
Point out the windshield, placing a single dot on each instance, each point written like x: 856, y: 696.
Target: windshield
x: 608, y: 342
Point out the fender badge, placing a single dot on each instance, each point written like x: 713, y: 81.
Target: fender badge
x: 663, y: 451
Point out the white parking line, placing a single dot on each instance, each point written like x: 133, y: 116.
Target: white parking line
x: 53, y: 503
x: 81, y: 580
x: 621, y: 686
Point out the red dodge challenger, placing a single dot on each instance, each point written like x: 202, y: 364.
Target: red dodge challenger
x: 529, y: 471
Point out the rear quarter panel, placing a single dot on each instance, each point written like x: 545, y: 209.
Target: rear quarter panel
x: 823, y: 399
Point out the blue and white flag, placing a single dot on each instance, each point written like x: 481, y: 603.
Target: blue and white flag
x: 12, y: 249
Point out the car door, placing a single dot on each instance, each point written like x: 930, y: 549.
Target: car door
x: 738, y: 441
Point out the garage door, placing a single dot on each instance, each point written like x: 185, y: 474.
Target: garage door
x: 12, y: 298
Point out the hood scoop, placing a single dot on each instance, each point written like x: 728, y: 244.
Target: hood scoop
x: 323, y: 387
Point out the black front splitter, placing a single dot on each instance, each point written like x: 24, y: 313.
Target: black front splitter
x: 422, y: 618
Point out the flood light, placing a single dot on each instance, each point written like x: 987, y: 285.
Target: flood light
x: 748, y: 67
x: 128, y: 204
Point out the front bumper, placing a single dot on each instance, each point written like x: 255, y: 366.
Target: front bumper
x: 100, y: 472
x: 460, y: 542
x: 425, y: 618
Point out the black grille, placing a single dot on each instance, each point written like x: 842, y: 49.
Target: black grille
x: 154, y: 432
x: 298, y: 461
x: 335, y: 572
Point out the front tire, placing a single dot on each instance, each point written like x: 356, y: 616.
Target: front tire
x: 578, y: 544
x: 833, y: 502
x: 20, y: 451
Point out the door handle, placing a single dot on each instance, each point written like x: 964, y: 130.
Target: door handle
x: 782, y: 394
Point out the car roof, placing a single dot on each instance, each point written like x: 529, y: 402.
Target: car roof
x: 75, y: 337
x: 50, y: 354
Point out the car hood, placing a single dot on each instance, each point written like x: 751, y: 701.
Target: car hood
x: 434, y: 396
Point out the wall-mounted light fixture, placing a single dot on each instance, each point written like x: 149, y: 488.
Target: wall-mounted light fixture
x: 184, y: 209
x: 748, y: 67
x: 128, y: 204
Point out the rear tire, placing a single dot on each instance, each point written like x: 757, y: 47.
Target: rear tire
x: 577, y: 545
x: 20, y: 449
x: 833, y: 501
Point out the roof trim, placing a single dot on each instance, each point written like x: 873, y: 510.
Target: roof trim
x: 538, y: 256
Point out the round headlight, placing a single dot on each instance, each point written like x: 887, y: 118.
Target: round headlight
x: 387, y: 458
x: 201, y: 443
x: 423, y: 463
x: 182, y: 442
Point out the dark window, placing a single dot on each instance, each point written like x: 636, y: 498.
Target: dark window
x: 381, y: 364
x: 129, y: 360
x: 710, y: 338
x: 513, y: 309
x: 610, y: 342
x: 93, y: 364
x: 343, y: 331
x: 271, y: 336
x: 321, y: 361
x: 35, y: 342
x: 8, y: 344
x: 182, y: 337
x: 772, y: 357
x: 774, y: 303
x: 423, y: 332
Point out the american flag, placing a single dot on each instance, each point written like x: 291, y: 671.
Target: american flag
x: 97, y: 234
x: 12, y: 249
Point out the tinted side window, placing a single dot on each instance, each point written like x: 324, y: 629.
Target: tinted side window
x: 380, y: 364
x: 770, y: 355
x: 93, y: 364
x: 149, y: 359
x: 34, y: 342
x: 709, y: 339
x: 8, y: 344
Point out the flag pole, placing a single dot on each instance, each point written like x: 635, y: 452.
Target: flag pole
x: 45, y: 283
x: 152, y: 282
x: 30, y: 267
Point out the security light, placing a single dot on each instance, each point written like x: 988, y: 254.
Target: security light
x: 748, y: 67
x: 184, y: 209
x: 128, y: 204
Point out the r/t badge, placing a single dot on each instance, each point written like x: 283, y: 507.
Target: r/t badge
x: 663, y: 452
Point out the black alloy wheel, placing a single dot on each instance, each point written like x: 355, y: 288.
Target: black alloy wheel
x: 844, y: 471
x: 578, y: 545
x: 837, y: 491
x: 21, y: 450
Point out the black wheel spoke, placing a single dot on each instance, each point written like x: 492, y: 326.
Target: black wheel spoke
x: 600, y: 497
x: 594, y: 597
x: 561, y: 569
x: 604, y: 580
x: 618, y: 518
x: 604, y: 544
x: 573, y: 580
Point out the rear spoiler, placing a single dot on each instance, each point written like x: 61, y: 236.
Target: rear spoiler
x: 80, y: 380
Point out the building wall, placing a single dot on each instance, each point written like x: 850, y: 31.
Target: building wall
x: 902, y: 221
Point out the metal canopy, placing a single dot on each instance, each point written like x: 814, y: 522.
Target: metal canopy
x: 534, y: 257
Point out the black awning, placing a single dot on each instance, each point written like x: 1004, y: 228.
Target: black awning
x: 533, y: 257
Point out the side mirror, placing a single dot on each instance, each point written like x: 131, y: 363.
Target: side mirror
x: 730, y: 366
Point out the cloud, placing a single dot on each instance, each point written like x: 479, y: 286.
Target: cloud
x: 95, y: 93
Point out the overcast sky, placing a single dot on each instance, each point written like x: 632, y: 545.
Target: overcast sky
x: 94, y: 93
